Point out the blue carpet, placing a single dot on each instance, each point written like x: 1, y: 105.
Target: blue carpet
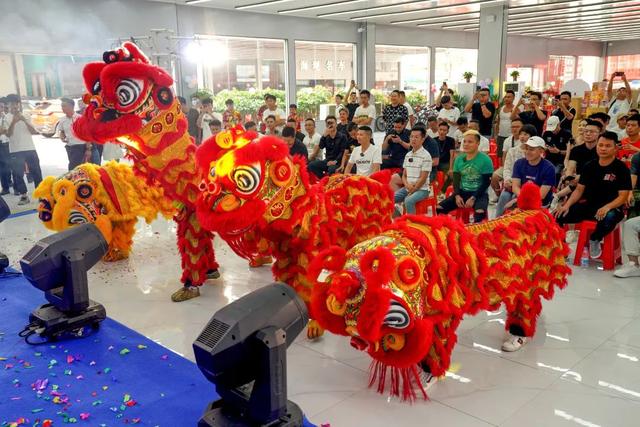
x: 113, y: 377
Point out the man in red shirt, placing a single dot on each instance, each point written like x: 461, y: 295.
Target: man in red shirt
x: 631, y: 144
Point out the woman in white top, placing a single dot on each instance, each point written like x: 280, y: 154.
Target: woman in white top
x: 367, y: 157
x: 503, y: 120
x: 449, y: 114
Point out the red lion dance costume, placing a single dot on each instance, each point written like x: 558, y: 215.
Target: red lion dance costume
x: 402, y: 294
x: 131, y: 101
x: 252, y: 187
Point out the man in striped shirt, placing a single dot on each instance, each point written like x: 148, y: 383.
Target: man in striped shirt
x: 415, y: 175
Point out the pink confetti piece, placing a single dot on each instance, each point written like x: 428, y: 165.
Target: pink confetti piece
x: 164, y: 357
x: 70, y: 359
x: 84, y: 416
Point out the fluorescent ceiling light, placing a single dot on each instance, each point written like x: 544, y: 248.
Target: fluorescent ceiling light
x: 435, y: 18
x: 439, y: 24
x: 617, y: 28
x: 321, y: 6
x: 565, y: 9
x: 563, y: 13
x: 373, y: 8
x: 428, y: 9
x: 579, y: 22
x: 261, y: 4
x: 196, y: 1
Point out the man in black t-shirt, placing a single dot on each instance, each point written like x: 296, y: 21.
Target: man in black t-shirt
x: 396, y: 145
x: 533, y: 114
x: 482, y: 110
x: 602, y: 191
x: 584, y: 153
x: 565, y: 112
x: 352, y: 142
x: 334, y: 143
x: 296, y: 147
x: 556, y: 140
x: 393, y: 111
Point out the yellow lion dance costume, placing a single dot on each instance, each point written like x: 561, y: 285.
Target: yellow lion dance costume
x: 110, y: 196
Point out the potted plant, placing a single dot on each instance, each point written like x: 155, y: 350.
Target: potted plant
x: 467, y: 76
x: 514, y: 75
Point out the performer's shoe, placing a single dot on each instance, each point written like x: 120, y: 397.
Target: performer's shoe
x: 213, y: 274
x: 514, y: 343
x: 185, y: 293
x: 260, y: 261
x: 426, y: 377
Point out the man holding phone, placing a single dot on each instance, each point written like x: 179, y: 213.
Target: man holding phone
x: 621, y: 103
x: 396, y: 145
x: 532, y: 114
x: 482, y: 110
x: 334, y: 143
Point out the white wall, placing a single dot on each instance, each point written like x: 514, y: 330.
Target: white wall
x: 626, y: 47
x: 536, y: 50
x: 77, y: 26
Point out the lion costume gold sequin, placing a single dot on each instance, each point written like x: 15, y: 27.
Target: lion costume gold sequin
x: 402, y: 294
x: 110, y: 196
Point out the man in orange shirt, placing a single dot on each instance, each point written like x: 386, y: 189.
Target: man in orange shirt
x: 631, y: 144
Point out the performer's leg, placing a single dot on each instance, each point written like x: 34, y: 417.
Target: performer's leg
x: 121, y: 240
x: 196, y: 251
x: 444, y: 339
x: 521, y: 323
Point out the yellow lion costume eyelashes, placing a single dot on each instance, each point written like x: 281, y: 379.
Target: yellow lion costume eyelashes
x: 110, y: 196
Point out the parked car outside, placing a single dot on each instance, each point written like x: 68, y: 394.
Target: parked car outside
x: 45, y: 116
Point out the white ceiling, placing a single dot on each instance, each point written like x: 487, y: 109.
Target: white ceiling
x: 597, y: 20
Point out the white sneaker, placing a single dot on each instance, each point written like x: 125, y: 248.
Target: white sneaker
x: 628, y: 270
x: 595, y: 249
x: 24, y: 200
x: 514, y: 343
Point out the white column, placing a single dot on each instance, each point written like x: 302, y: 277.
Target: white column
x: 291, y: 73
x: 369, y: 43
x: 492, y: 44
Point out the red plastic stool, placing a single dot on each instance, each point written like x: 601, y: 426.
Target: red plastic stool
x: 463, y: 214
x: 611, y: 248
x: 430, y: 202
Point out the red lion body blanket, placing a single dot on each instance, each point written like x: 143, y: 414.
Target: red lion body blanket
x: 402, y: 294
x: 253, y: 190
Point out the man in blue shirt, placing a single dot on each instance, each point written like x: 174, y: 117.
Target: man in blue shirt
x: 532, y: 168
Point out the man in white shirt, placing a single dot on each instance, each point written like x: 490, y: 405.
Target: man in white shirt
x: 5, y: 165
x: 415, y: 174
x: 22, y: 149
x: 205, y: 118
x: 366, y: 157
x: 273, y: 110
x: 621, y: 103
x: 449, y: 114
x: 412, y: 116
x: 313, y: 138
x: 78, y: 151
x: 432, y: 127
x: 366, y: 113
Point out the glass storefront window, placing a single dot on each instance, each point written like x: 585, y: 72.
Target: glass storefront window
x: 237, y: 68
x: 560, y: 69
x: 588, y: 69
x: 452, y: 63
x: 50, y: 76
x: 533, y: 76
x: 322, y: 70
x: 402, y: 67
x: 630, y: 64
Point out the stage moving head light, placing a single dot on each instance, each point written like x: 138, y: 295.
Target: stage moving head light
x: 242, y: 350
x: 58, y: 265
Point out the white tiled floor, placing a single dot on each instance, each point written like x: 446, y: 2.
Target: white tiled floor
x: 582, y: 368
